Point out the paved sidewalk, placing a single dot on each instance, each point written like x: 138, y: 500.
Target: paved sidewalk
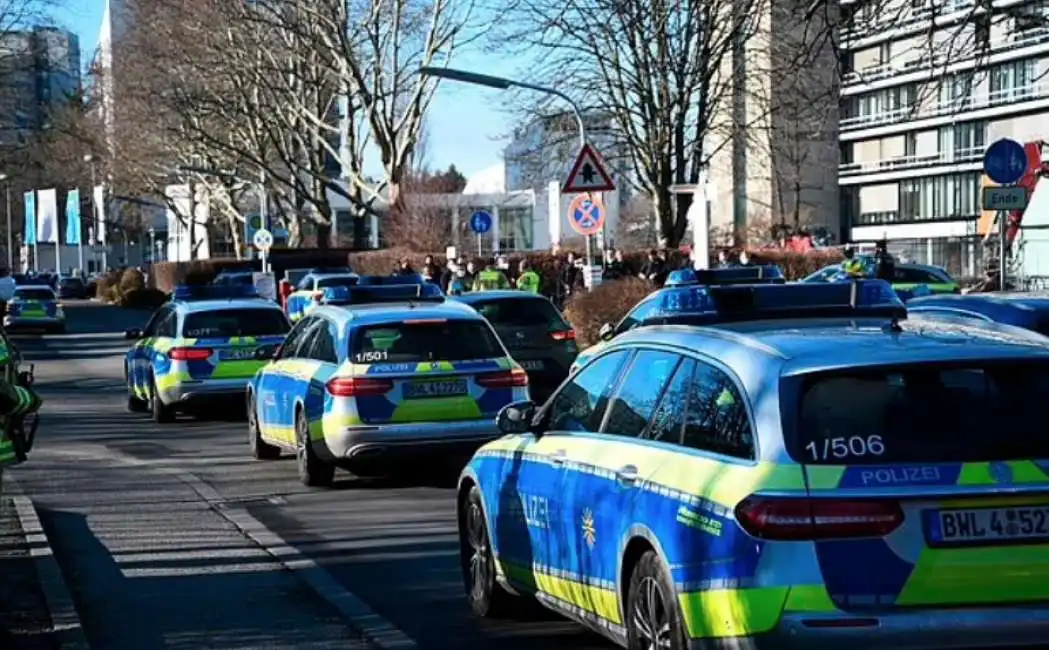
x: 25, y: 623
x: 151, y: 565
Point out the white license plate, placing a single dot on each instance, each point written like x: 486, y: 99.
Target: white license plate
x: 442, y: 388
x: 987, y: 526
x: 531, y: 365
x: 237, y: 354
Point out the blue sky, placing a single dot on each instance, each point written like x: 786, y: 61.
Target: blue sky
x: 465, y: 127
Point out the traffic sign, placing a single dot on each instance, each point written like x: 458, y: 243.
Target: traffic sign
x: 588, y: 174
x: 1005, y: 199
x: 1005, y: 161
x: 263, y: 240
x: 480, y: 222
x: 586, y: 215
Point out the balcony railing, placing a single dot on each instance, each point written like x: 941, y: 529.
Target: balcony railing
x: 894, y: 216
x: 900, y: 163
x: 930, y: 60
x: 896, y: 21
x: 949, y: 107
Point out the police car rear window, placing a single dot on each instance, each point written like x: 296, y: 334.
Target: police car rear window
x: 223, y: 323
x: 923, y: 413
x: 425, y: 340
x: 520, y: 312
x: 35, y: 294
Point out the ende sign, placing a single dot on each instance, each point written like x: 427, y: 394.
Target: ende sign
x: 1004, y: 199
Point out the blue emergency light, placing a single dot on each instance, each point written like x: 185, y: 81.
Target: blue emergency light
x: 362, y: 295
x: 192, y: 292
x: 324, y: 270
x: 863, y: 298
x: 390, y: 280
x: 764, y: 274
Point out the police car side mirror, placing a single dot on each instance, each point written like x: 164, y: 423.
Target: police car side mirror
x: 265, y: 353
x: 516, y: 417
x: 607, y: 331
x: 133, y: 334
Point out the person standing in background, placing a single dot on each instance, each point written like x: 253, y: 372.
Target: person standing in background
x: 7, y: 289
x: 527, y: 279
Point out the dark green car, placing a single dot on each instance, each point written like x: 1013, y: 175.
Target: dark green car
x: 909, y: 279
x: 534, y: 332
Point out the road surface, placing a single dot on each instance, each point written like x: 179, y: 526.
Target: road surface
x: 171, y: 536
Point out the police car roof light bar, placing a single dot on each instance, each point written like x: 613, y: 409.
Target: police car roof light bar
x: 390, y: 280
x: 766, y: 274
x: 191, y: 292
x: 362, y: 295
x: 329, y: 269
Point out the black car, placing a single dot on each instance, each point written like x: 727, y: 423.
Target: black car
x: 72, y: 288
x: 533, y: 331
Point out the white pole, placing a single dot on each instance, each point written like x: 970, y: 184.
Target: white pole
x: 58, y: 254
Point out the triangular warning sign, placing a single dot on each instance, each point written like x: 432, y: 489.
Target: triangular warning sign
x: 588, y: 174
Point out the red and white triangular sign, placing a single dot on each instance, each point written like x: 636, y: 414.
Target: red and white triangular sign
x: 588, y: 174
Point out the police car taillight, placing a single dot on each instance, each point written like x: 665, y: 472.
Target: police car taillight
x: 787, y: 519
x: 358, y: 387
x: 318, y: 296
x: 510, y: 379
x: 189, y: 354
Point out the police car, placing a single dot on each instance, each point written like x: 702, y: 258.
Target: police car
x: 35, y: 306
x: 909, y: 280
x: 309, y: 290
x: 198, y: 347
x: 842, y: 480
x: 672, y: 305
x: 383, y: 378
x: 1027, y: 310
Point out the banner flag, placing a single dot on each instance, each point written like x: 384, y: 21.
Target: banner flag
x: 47, y: 217
x: 99, y: 199
x: 73, y: 217
x: 29, y: 227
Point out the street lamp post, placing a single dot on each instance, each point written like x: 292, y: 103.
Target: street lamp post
x: 10, y: 234
x: 501, y: 83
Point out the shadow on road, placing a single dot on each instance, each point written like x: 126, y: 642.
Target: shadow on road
x: 24, y: 620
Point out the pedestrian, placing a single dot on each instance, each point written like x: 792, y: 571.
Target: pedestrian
x: 503, y: 264
x: 852, y: 267
x: 471, y: 273
x: 461, y: 283
x: 405, y: 267
x: 723, y: 261
x: 744, y: 258
x: 431, y: 272
x: 654, y: 267
x: 613, y: 265
x: 569, y: 279
x: 16, y: 401
x: 448, y: 275
x: 7, y: 290
x: 886, y: 265
x: 527, y: 279
x: 491, y: 278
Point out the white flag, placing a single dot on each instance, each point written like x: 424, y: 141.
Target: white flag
x: 98, y: 197
x: 47, y: 217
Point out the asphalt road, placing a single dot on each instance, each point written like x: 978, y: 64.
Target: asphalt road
x: 155, y: 561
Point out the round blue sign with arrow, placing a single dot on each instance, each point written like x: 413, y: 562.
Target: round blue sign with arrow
x: 1005, y: 161
x: 480, y: 222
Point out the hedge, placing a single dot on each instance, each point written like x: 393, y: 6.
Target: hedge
x: 607, y: 303
x: 128, y: 288
x: 167, y: 275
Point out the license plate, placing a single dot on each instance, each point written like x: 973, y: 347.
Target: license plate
x: 987, y: 526
x: 531, y: 365
x: 443, y: 388
x: 237, y: 354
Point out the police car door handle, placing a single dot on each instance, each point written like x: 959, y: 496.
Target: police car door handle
x: 558, y: 457
x: 627, y: 475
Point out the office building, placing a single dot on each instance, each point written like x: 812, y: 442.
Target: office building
x: 928, y: 86
x: 39, y: 72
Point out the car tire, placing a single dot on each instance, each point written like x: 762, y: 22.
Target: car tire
x: 313, y: 472
x: 260, y: 449
x: 652, y: 608
x: 134, y: 404
x: 161, y: 414
x: 487, y: 598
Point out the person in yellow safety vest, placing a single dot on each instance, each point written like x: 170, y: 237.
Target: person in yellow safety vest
x: 16, y: 401
x: 490, y: 278
x: 852, y: 267
x: 528, y: 280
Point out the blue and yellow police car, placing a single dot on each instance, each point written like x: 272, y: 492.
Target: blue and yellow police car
x: 670, y: 304
x: 200, y: 346
x: 824, y: 475
x: 309, y: 291
x: 35, y: 307
x: 1027, y: 310
x: 379, y: 379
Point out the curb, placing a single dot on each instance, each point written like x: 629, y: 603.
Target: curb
x: 64, y: 618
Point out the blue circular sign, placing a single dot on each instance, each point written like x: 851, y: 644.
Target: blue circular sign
x: 1005, y: 161
x: 480, y: 222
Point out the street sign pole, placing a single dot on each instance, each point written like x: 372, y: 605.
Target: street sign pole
x: 1005, y: 163
x: 1003, y: 232
x: 478, y: 244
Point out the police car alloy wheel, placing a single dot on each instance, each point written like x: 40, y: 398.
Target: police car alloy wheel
x: 653, y: 618
x: 260, y: 449
x: 134, y: 404
x: 487, y: 598
x: 313, y: 472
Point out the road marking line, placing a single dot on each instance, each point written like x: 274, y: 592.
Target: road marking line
x: 373, y: 628
x: 64, y: 618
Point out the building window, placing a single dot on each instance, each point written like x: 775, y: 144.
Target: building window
x: 846, y: 153
x: 1011, y: 81
x: 962, y: 139
x: 515, y: 229
x: 948, y: 197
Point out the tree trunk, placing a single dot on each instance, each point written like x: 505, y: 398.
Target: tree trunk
x: 234, y: 236
x: 663, y: 209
